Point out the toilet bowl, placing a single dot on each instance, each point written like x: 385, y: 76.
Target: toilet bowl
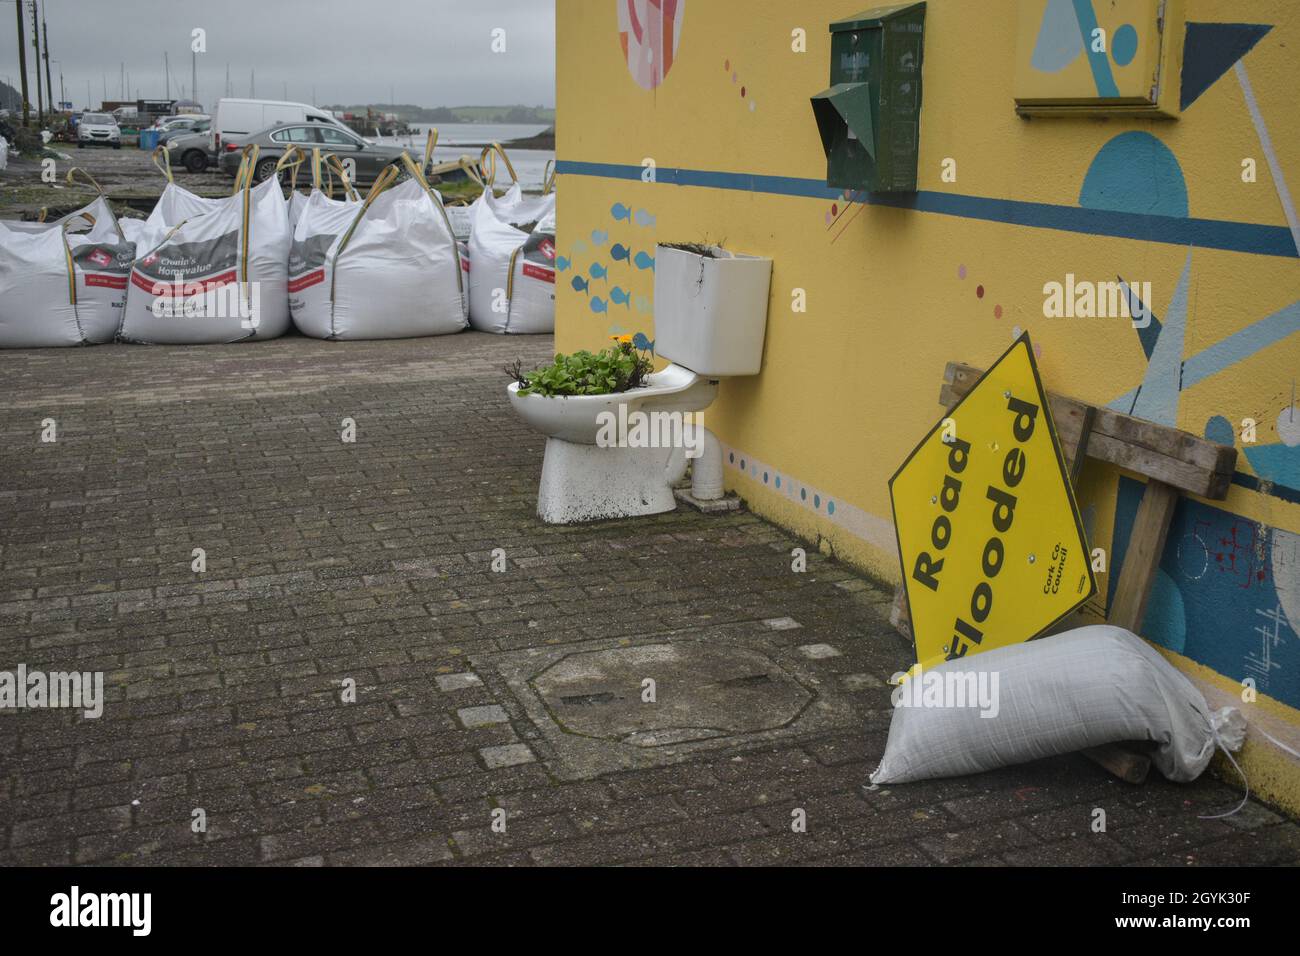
x: 586, y: 481
x: 710, y: 319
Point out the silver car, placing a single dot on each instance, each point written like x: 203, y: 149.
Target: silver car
x: 98, y: 129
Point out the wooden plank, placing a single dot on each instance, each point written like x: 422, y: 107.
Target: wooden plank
x: 1124, y: 761
x: 1146, y: 545
x: 1174, y: 457
x: 900, y: 615
x: 1151, y: 464
x: 1073, y: 421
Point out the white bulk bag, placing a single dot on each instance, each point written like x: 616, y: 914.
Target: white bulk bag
x: 63, y: 282
x: 387, y: 268
x: 220, y: 272
x: 298, y: 200
x: 512, y: 271
x: 1084, y: 688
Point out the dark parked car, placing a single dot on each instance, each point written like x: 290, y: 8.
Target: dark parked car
x: 192, y: 150
x: 183, y: 127
x: 369, y: 159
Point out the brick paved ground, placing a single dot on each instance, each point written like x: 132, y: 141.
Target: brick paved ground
x: 371, y: 561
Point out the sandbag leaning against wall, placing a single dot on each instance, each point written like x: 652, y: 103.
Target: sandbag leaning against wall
x: 63, y: 282
x: 389, y: 269
x: 219, y: 272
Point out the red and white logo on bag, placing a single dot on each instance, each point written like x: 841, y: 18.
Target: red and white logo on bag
x: 547, y: 248
x: 100, y: 258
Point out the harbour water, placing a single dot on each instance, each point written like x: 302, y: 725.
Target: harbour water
x: 467, y: 139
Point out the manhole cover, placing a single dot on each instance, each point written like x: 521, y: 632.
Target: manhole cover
x: 718, y: 694
x: 699, y: 691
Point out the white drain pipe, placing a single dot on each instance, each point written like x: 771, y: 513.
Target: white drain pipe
x: 706, y: 470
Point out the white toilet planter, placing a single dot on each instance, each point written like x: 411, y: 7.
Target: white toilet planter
x: 710, y: 321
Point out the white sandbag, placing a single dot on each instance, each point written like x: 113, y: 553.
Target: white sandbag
x: 63, y: 282
x: 1090, y: 686
x: 220, y: 272
x: 4, y: 153
x: 512, y: 270
x: 387, y: 268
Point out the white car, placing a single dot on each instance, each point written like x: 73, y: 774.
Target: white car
x: 98, y: 129
x: 235, y: 120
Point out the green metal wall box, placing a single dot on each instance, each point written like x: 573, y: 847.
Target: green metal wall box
x: 870, y: 118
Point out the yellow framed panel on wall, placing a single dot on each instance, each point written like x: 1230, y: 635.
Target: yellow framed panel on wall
x: 1098, y: 56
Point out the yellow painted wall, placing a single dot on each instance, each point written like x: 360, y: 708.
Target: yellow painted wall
x: 849, y: 386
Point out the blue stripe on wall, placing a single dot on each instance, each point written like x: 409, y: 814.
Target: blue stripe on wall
x: 1203, y: 233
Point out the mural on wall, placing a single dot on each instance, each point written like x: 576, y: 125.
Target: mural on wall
x: 745, y: 92
x: 615, y: 270
x: 649, y: 31
x: 1227, y: 593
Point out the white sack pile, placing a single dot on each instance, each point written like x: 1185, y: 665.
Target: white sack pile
x: 63, y: 282
x: 211, y: 270
x: 1084, y: 688
x: 386, y: 268
x: 512, y: 264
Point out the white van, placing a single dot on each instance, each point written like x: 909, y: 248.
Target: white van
x: 235, y: 120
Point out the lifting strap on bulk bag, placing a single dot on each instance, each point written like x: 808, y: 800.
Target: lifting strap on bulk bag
x: 473, y: 172
x: 382, y: 182
x: 165, y: 167
x: 244, y: 183
x: 419, y: 177
x: 548, y: 177
x: 294, y: 157
x: 335, y: 165
x: 493, y: 150
x: 430, y: 144
x: 71, y: 179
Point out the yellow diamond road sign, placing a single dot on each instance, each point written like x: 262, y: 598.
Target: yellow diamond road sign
x: 993, y: 551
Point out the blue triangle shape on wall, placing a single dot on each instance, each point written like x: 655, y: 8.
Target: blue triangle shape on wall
x: 1211, y: 50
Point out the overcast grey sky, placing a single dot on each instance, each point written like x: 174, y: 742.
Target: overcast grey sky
x: 430, y: 52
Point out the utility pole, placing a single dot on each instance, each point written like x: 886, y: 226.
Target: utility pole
x: 168, y: 71
x: 22, y: 66
x: 45, y: 28
x: 36, y: 42
x: 194, y: 76
x: 227, y: 79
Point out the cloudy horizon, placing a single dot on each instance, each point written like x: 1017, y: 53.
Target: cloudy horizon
x: 422, y: 52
